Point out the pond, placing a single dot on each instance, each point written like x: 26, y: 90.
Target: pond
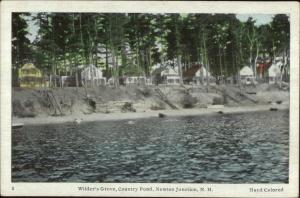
x: 228, y: 148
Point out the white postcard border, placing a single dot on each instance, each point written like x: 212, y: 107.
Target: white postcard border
x: 217, y: 190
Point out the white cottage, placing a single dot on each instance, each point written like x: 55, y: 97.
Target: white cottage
x: 171, y: 76
x: 274, y: 73
x: 247, y: 75
x: 139, y: 80
x: 92, y: 75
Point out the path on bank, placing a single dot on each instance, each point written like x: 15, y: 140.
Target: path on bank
x: 147, y: 114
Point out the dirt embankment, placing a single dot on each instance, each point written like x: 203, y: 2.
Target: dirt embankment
x: 79, y: 101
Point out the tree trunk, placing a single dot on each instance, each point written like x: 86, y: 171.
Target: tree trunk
x: 115, y: 62
x: 106, y: 61
x: 15, y: 74
x: 255, y: 62
x: 179, y: 69
x: 149, y: 63
x: 220, y: 62
x: 225, y: 66
x: 92, y: 75
x: 206, y: 62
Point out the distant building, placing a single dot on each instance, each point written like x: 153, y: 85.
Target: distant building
x: 92, y: 75
x: 189, y: 75
x: 274, y: 73
x: 247, y: 75
x: 138, y: 80
x: 262, y: 67
x: 202, y: 76
x: 197, y: 74
x: 156, y: 77
x: 70, y: 81
x: 170, y: 76
x: 30, y: 76
x: 263, y: 63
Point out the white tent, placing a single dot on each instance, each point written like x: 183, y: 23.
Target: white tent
x: 246, y: 71
x: 247, y: 75
x: 92, y: 75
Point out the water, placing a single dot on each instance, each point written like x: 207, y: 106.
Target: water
x: 236, y: 148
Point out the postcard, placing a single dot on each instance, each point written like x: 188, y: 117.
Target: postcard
x: 149, y: 98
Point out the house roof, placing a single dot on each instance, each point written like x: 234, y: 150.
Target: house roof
x: 29, y: 66
x: 202, y: 72
x: 246, y: 71
x: 191, y: 72
x: 264, y: 65
x: 170, y: 71
x: 29, y: 70
x: 157, y: 70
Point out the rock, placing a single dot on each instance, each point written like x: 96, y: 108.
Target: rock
x: 220, y: 112
x: 273, y: 109
x: 128, y: 107
x: 188, y: 101
x: 278, y: 101
x: 161, y: 115
x: 158, y: 106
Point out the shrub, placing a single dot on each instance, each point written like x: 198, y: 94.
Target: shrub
x: 158, y: 106
x: 28, y: 104
x: 17, y: 107
x: 128, y: 107
x: 92, y: 103
x: 188, y: 101
x: 23, y: 111
x: 218, y: 101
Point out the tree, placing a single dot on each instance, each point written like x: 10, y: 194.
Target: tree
x: 281, y: 40
x: 20, y: 45
x: 130, y: 43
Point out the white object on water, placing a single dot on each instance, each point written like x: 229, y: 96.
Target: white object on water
x: 130, y: 122
x: 17, y: 125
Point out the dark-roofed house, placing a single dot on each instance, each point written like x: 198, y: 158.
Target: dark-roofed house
x: 189, y: 75
x: 198, y: 74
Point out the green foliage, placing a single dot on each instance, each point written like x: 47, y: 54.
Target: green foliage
x: 131, y: 43
x: 20, y: 44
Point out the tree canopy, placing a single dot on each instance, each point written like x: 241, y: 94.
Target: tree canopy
x: 131, y: 43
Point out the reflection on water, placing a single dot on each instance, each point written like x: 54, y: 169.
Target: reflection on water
x: 236, y: 148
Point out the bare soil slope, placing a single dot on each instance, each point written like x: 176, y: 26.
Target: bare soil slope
x: 80, y: 101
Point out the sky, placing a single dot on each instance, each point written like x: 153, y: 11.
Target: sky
x: 32, y: 27
x: 260, y: 20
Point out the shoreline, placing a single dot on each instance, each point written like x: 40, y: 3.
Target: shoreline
x: 40, y: 120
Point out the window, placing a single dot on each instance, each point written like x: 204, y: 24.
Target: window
x: 170, y: 81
